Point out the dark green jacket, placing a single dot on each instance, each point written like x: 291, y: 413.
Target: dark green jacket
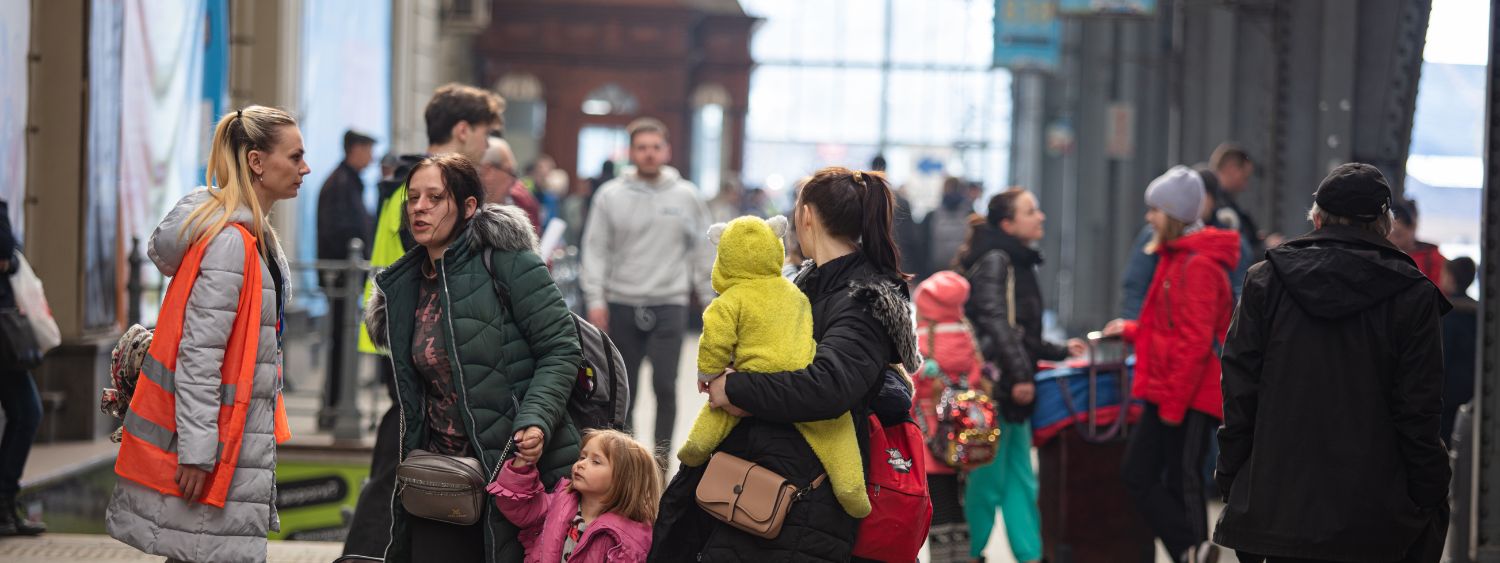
x: 531, y: 353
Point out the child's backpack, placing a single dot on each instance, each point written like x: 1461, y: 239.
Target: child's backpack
x: 601, y: 396
x: 124, y: 368
x: 901, y: 507
x: 965, y: 431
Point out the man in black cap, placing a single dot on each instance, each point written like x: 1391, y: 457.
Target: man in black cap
x: 342, y: 216
x: 1333, y: 382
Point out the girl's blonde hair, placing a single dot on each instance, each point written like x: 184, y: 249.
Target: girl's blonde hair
x: 238, y: 133
x: 1173, y: 231
x: 636, y: 486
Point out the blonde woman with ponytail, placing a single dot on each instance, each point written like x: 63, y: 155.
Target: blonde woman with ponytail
x: 197, y: 464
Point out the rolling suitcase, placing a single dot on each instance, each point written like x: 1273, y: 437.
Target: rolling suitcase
x: 1087, y: 517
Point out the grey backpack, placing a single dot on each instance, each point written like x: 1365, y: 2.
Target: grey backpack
x: 601, y: 396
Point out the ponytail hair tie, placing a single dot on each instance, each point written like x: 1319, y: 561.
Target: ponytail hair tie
x: 859, y: 178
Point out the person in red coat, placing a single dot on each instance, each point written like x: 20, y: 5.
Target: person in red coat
x: 1182, y: 322
x: 1404, y: 235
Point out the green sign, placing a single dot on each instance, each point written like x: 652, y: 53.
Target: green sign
x: 316, y: 498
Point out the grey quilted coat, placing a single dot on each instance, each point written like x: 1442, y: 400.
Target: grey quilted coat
x: 167, y: 525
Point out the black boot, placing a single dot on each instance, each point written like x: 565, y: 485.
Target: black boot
x: 13, y: 523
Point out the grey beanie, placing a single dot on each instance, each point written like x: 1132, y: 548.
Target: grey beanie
x: 1178, y: 193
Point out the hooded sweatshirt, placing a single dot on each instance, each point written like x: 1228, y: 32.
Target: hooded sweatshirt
x: 1333, y: 379
x: 1183, y: 319
x: 645, y: 244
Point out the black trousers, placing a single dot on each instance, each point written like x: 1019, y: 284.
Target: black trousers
x: 23, y: 416
x: 370, y: 527
x: 446, y: 543
x: 655, y: 333
x: 1163, y: 474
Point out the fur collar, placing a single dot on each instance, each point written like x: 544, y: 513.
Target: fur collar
x: 505, y: 228
x: 889, y: 305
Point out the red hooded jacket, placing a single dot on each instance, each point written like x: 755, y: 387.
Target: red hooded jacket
x: 1185, y: 316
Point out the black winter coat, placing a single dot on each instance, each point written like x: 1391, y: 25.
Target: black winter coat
x: 342, y: 214
x: 992, y: 259
x: 862, y: 322
x: 1333, y: 381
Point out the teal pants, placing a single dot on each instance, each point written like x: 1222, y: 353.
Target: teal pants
x: 1008, y: 484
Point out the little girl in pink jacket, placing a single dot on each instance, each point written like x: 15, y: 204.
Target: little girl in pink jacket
x: 603, y: 514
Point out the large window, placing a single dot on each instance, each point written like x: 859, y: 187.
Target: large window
x: 1445, y: 168
x: 840, y: 81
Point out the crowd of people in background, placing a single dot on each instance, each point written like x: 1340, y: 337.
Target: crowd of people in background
x: 1310, y: 384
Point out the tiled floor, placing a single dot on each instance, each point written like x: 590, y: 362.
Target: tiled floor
x: 51, y: 548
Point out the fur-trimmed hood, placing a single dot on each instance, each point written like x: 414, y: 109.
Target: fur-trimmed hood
x: 889, y: 304
x: 168, y: 245
x: 503, y: 228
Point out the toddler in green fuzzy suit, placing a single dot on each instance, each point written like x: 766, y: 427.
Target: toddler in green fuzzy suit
x: 762, y: 323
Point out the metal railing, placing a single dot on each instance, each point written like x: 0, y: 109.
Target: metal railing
x: 343, y: 281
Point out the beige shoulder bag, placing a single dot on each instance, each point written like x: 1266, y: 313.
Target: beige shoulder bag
x: 747, y: 496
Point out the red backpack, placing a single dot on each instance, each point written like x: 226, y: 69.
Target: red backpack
x: 897, y: 484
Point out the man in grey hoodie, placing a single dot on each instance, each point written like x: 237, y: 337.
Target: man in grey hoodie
x: 645, y: 249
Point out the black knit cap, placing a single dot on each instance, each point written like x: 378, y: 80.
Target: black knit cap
x: 1354, y: 190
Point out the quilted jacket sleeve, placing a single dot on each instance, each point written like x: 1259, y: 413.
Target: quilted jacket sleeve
x: 989, y: 311
x: 553, y: 338
x: 207, y: 322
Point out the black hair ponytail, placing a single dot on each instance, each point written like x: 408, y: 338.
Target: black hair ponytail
x: 859, y: 206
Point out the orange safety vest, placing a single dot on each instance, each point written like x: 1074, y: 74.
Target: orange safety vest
x: 148, y: 449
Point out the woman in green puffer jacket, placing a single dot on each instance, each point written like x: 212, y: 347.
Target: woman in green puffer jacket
x: 472, y: 373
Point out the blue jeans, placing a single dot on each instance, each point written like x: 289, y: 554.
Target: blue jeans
x: 23, y: 414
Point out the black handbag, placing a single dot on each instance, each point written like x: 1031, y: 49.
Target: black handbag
x: 18, y: 346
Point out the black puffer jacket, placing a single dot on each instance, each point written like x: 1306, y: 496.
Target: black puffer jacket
x: 1333, y: 381
x: 862, y: 322
x: 992, y: 258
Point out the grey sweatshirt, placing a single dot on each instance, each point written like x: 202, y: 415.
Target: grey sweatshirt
x: 647, y: 242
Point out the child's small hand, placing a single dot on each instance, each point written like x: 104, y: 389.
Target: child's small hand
x: 528, y: 444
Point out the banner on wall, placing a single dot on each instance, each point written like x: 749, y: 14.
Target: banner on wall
x: 15, y: 41
x: 1028, y: 34
x: 161, y: 81
x: 103, y: 247
x: 1107, y: 7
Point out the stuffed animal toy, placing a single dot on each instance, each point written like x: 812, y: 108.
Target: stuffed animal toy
x: 762, y: 323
